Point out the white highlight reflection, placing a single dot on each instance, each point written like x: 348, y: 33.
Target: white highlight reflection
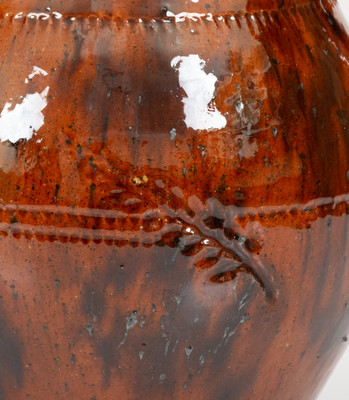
x: 36, y: 71
x: 25, y: 119
x: 34, y: 15
x: 181, y: 17
x: 199, y: 107
x: 341, y: 13
x: 57, y: 14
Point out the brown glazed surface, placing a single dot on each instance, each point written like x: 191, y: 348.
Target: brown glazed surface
x: 145, y: 259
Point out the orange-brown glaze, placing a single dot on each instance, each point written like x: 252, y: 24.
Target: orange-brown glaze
x: 135, y: 9
x: 174, y: 199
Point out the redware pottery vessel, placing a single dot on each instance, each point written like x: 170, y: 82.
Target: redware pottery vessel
x: 173, y: 199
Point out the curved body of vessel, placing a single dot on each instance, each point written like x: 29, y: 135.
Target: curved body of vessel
x: 174, y: 183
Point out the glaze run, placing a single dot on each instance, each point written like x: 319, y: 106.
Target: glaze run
x: 174, y: 199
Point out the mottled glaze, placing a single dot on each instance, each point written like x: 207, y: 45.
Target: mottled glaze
x: 145, y: 254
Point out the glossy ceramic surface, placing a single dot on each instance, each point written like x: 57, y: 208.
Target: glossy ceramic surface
x: 174, y: 199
